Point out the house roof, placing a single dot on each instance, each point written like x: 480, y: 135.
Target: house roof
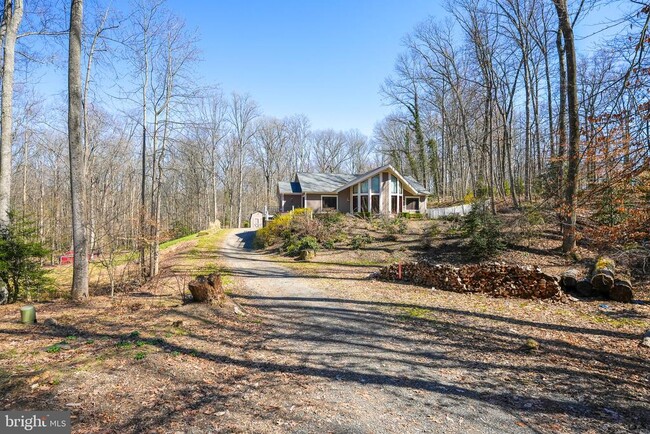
x: 416, y: 185
x: 410, y: 183
x: 336, y: 182
x: 289, y: 187
x: 323, y: 182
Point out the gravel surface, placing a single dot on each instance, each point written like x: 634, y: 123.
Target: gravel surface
x: 366, y: 371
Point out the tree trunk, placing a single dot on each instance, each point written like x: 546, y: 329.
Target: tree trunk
x: 570, y: 192
x: 77, y: 160
x: 12, y: 16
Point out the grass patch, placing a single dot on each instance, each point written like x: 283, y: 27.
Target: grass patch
x: 170, y: 243
x: 52, y: 349
x: 617, y: 322
x: 414, y: 313
x: 140, y: 356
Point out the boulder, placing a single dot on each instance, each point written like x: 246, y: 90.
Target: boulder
x: 4, y: 293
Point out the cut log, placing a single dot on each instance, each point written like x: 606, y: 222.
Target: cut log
x: 207, y: 289
x: 602, y: 277
x: 621, y: 291
x: 569, y: 280
x: 585, y: 288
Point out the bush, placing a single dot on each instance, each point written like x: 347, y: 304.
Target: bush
x: 179, y: 230
x: 483, y: 232
x: 393, y: 226
x: 412, y: 215
x: 328, y: 244
x: 430, y: 235
x: 360, y: 241
x: 294, y: 247
x: 20, y: 260
x: 290, y: 228
x: 331, y: 218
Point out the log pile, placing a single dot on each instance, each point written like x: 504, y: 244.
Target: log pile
x: 207, y: 289
x: 603, y: 281
x: 495, y: 279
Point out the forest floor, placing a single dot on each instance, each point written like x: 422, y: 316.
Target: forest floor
x: 318, y: 347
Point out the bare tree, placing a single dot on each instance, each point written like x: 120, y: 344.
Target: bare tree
x: 243, y: 111
x: 77, y: 159
x: 571, y: 188
x: 12, y: 15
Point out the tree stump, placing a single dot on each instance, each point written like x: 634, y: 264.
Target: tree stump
x: 307, y: 254
x: 621, y: 291
x: 207, y: 289
x: 569, y: 280
x: 602, y: 277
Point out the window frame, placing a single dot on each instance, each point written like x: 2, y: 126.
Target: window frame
x: 322, y: 208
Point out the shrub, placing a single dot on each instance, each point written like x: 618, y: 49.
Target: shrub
x: 360, y: 241
x: 430, y: 235
x: 412, y: 215
x: 331, y: 218
x: 180, y: 230
x: 483, y: 232
x: 294, y: 247
x: 20, y: 260
x: 393, y: 226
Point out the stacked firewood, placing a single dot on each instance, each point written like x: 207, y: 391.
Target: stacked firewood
x: 496, y: 279
x: 603, y: 281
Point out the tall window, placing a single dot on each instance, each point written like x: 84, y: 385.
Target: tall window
x: 396, y: 195
x: 375, y: 194
x: 366, y: 196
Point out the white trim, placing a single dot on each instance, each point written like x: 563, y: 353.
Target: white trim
x: 329, y: 195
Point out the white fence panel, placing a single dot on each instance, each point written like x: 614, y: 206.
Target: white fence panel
x: 436, y: 213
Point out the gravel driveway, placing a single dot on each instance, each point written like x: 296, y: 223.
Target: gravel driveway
x: 366, y: 373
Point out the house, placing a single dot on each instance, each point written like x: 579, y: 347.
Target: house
x: 380, y: 191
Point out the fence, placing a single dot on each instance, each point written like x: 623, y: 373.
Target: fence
x: 436, y: 213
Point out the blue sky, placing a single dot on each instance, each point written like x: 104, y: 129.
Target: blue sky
x: 325, y: 59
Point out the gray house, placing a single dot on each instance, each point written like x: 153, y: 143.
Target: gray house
x: 381, y: 191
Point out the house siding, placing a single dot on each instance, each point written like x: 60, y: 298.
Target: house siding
x: 344, y: 201
x: 313, y: 202
x: 385, y: 193
x: 292, y: 201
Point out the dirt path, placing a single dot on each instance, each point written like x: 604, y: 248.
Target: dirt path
x: 366, y: 373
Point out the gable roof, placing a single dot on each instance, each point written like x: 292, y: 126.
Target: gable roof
x: 285, y: 187
x: 337, y: 182
x: 409, y: 182
x: 416, y: 185
x: 322, y: 182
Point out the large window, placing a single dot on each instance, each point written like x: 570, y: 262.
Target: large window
x: 366, y: 196
x: 329, y: 203
x: 396, y: 195
x: 412, y: 203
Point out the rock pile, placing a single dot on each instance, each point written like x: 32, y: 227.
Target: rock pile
x: 495, y: 279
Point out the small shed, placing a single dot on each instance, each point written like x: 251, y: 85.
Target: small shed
x: 256, y: 220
